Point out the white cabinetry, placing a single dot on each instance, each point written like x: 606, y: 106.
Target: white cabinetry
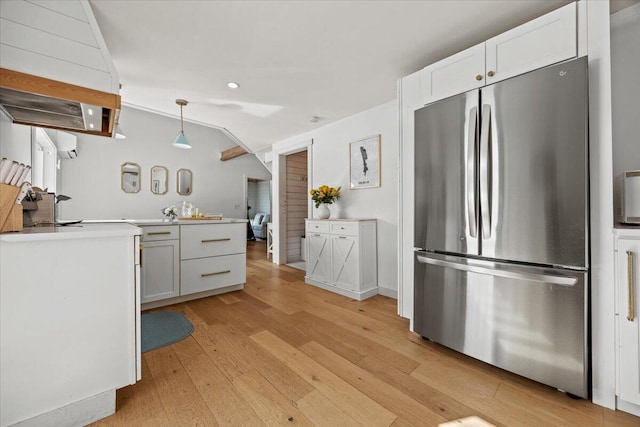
x: 160, y: 255
x: 544, y: 41
x: 213, y: 256
x: 69, y: 320
x: 342, y: 256
x: 193, y: 260
x: 456, y: 74
x: 318, y: 251
x: 628, y: 324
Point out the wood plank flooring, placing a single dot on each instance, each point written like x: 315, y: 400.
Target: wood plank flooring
x: 281, y: 352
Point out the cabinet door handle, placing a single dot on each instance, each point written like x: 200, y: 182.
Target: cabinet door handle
x: 342, y: 237
x: 215, y: 274
x: 216, y: 240
x: 158, y: 233
x: 141, y: 247
x: 631, y: 307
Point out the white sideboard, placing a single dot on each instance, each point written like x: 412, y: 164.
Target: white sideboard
x: 342, y: 256
x: 627, y: 259
x: 191, y: 259
x: 70, y: 325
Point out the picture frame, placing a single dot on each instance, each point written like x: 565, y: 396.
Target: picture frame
x: 364, y: 161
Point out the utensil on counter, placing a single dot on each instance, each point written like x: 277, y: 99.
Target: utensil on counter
x: 23, y: 177
x: 17, y: 175
x: 5, y: 170
x: 24, y: 190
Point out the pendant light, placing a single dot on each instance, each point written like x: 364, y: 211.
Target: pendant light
x: 181, y: 140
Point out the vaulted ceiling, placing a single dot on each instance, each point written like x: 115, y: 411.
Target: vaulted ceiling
x: 294, y: 60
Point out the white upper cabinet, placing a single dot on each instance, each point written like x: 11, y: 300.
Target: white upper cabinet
x: 536, y: 44
x: 544, y: 41
x: 456, y: 74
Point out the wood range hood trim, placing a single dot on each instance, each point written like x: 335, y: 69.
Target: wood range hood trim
x: 30, y: 84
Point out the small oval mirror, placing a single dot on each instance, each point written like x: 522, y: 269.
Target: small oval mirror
x: 130, y: 177
x: 184, y: 182
x: 159, y: 175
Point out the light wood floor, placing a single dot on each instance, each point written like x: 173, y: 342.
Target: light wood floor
x: 282, y: 352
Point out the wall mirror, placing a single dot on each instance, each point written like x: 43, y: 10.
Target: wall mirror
x: 130, y: 177
x: 184, y: 182
x: 159, y: 176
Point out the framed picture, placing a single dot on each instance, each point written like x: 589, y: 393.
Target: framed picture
x: 364, y: 157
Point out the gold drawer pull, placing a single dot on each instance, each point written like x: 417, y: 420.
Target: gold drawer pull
x: 631, y: 307
x: 216, y: 240
x: 216, y: 273
x: 158, y: 233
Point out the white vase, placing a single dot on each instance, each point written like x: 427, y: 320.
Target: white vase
x: 323, y: 211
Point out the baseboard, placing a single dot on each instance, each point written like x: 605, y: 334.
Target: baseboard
x: 388, y: 292
x: 344, y: 292
x: 190, y: 297
x: 79, y: 413
x: 628, y: 407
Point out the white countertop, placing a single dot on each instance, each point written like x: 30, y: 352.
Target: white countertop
x: 143, y: 222
x: 75, y: 231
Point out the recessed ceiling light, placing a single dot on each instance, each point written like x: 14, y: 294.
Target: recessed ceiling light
x: 233, y: 85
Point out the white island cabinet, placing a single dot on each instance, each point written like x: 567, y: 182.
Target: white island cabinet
x: 70, y: 325
x: 191, y: 259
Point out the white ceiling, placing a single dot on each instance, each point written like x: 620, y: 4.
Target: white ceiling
x: 293, y: 59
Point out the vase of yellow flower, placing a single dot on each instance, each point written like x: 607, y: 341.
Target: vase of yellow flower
x: 323, y: 196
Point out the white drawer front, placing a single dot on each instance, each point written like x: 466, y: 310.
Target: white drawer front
x: 160, y: 232
x: 318, y: 226
x: 345, y: 228
x: 200, y: 241
x: 204, y: 274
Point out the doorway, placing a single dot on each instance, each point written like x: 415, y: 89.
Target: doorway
x: 294, y: 207
x: 258, y: 196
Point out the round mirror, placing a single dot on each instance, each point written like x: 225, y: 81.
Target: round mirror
x: 159, y: 176
x: 184, y: 182
x: 130, y: 177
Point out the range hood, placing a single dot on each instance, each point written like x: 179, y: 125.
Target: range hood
x: 37, y: 101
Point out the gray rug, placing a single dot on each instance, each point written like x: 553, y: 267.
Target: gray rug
x: 162, y: 328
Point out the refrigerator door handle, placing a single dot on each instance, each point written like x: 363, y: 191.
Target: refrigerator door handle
x: 485, y: 173
x: 512, y: 273
x: 472, y: 132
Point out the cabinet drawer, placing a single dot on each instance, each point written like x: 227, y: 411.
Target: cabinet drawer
x: 204, y: 274
x: 345, y: 228
x: 160, y: 232
x: 200, y: 241
x: 318, y: 226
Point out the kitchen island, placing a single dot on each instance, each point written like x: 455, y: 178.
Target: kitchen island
x: 187, y: 259
x: 69, y: 325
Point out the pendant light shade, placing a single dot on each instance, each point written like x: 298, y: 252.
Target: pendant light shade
x: 181, y: 140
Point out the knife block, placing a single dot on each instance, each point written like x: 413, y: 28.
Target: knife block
x: 10, y: 213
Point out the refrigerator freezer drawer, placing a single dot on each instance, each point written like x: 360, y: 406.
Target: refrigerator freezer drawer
x: 528, y: 320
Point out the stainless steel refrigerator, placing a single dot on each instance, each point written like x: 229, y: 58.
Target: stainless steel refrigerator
x: 502, y: 225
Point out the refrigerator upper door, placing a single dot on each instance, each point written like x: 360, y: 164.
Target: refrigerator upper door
x: 446, y: 145
x: 533, y: 166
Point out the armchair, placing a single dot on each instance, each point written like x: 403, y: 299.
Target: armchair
x: 259, y: 225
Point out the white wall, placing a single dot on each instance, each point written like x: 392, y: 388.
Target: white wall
x: 330, y: 166
x: 625, y: 69
x: 15, y: 141
x: 93, y: 178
